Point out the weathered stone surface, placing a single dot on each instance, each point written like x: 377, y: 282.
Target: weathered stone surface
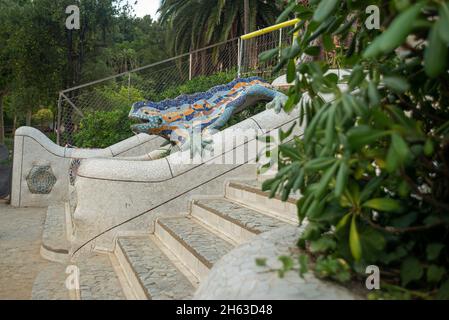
x: 157, y: 274
x: 50, y: 284
x: 236, y: 275
x: 20, y: 241
x: 33, y: 148
x: 245, y: 217
x: 98, y: 280
x: 207, y: 246
x: 54, y: 237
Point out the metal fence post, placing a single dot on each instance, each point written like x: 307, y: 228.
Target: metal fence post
x: 129, y: 86
x: 58, y: 124
x: 280, y: 44
x: 190, y: 66
x: 239, y: 57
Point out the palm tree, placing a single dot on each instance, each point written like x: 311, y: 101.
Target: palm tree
x: 198, y: 23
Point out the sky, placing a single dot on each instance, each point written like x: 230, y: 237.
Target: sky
x: 145, y: 7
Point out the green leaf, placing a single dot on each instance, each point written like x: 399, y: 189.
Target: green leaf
x: 312, y: 231
x: 436, y: 52
x: 396, y: 34
x: 373, y: 243
x: 291, y: 71
x: 324, y: 10
x: 363, y: 135
x: 444, y: 22
x: 428, y: 148
x: 283, y: 135
x: 274, y: 188
x: 354, y: 240
x: 330, y: 126
x: 343, y: 222
x: 323, y: 244
x: 433, y: 251
x: 397, y: 84
x: 319, y: 163
x: 411, y: 270
x: 314, y: 210
x: 328, y: 42
x: 405, y: 220
x: 266, y: 185
x: 356, y: 77
x: 398, y: 153
x: 383, y: 204
x: 372, y: 186
x: 373, y: 94
x: 268, y: 55
x: 331, y: 80
x: 325, y: 179
x: 342, y: 179
x: 303, y: 265
x: 290, y: 152
x: 313, y: 51
x: 435, y: 273
x: 299, y: 180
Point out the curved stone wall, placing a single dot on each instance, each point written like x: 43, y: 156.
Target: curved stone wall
x: 41, y: 168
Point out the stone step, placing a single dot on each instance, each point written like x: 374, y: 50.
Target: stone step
x: 98, y: 279
x: 250, y: 194
x: 55, y: 245
x: 150, y: 272
x: 236, y: 221
x: 197, y: 247
x: 50, y: 284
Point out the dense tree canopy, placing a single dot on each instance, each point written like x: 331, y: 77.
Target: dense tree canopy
x: 39, y: 56
x: 197, y: 23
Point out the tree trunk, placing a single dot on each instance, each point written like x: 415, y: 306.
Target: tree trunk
x: 28, y: 118
x: 2, y: 122
x: 14, y: 124
x: 246, y: 17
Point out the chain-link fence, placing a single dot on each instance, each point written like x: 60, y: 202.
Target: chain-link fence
x: 253, y: 47
x: 153, y: 82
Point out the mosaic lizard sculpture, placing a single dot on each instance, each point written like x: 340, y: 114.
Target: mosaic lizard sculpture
x: 176, y: 119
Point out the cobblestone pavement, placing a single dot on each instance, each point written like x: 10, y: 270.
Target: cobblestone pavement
x: 20, y: 260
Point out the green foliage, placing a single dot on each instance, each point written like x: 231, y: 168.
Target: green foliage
x: 39, y: 56
x: 195, y: 24
x: 100, y: 129
x: 373, y: 164
x: 43, y: 116
x: 197, y: 84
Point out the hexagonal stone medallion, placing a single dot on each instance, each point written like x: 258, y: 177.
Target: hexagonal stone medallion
x: 41, y: 180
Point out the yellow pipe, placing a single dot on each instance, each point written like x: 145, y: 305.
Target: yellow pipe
x: 270, y: 29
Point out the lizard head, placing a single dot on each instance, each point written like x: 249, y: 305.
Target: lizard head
x: 149, y: 118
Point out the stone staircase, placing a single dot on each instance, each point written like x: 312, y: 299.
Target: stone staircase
x: 171, y: 262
